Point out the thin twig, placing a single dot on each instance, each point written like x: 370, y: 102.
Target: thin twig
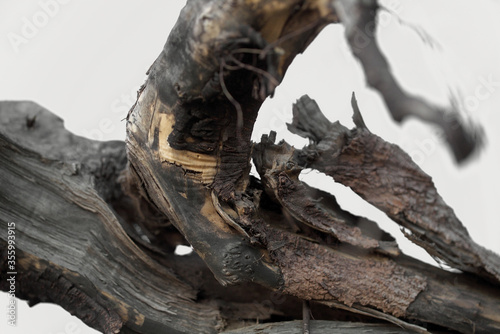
x: 273, y: 80
x: 287, y: 37
x: 306, y: 317
x: 236, y: 104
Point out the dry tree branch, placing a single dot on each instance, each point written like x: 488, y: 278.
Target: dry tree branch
x: 359, y: 20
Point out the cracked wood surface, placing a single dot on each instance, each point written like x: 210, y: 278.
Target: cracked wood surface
x: 76, y: 243
x: 61, y: 190
x: 189, y: 149
x: 385, y: 176
x: 189, y: 133
x: 69, y: 238
x: 301, y: 279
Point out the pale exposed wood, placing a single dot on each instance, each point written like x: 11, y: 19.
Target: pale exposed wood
x: 97, y: 222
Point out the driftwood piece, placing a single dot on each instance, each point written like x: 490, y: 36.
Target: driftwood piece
x: 94, y: 220
x: 66, y: 195
x: 70, y: 243
x: 188, y: 136
x: 286, y: 166
x: 279, y: 173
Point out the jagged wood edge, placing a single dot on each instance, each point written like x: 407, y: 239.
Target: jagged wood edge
x: 66, y: 193
x: 385, y: 176
x: 300, y: 259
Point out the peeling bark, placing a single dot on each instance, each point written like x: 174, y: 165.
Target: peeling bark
x: 97, y: 222
x: 385, y: 176
x: 374, y: 281
x: 62, y: 192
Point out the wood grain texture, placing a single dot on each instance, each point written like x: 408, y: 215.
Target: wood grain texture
x: 73, y: 250
x: 70, y: 236
x: 385, y: 176
x: 97, y: 222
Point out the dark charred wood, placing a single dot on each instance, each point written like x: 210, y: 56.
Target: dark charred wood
x: 97, y: 222
x: 185, y: 168
x: 69, y: 237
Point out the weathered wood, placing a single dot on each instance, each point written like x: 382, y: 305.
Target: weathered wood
x: 318, y: 326
x: 189, y: 146
x: 65, y: 194
x: 279, y: 173
x: 188, y: 136
x: 464, y: 310
x: 70, y: 238
x: 385, y: 176
x: 305, y: 265
x: 98, y: 231
x: 359, y: 20
x: 73, y: 251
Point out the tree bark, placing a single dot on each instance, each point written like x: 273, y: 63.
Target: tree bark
x: 97, y: 222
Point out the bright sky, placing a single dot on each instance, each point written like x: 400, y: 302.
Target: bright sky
x: 84, y: 60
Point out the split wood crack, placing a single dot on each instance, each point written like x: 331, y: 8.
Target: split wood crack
x: 183, y: 177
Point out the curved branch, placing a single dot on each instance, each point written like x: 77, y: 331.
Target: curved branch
x: 97, y: 227
x: 359, y: 20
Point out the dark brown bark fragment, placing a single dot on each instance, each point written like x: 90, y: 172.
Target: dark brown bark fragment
x: 465, y: 313
x: 279, y: 173
x: 314, y: 272
x: 385, y: 176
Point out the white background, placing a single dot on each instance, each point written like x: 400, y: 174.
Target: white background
x: 84, y: 60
